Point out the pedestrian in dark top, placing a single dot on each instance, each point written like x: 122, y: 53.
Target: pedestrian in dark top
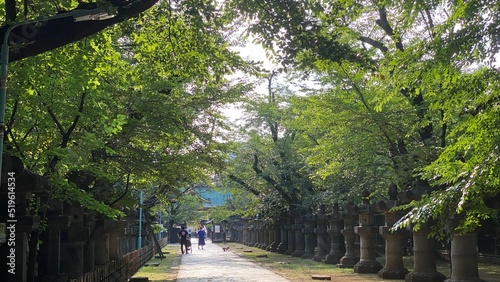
x: 201, y: 238
x: 183, y: 235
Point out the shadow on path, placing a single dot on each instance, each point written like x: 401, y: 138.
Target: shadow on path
x: 214, y: 265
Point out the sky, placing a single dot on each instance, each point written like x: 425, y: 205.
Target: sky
x: 253, y: 52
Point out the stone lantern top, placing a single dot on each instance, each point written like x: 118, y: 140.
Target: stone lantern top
x: 350, y: 215
x: 321, y: 213
x: 365, y: 210
x: 393, y: 192
x: 386, y: 205
x: 308, y: 216
x: 365, y: 197
x: 322, y: 209
x: 365, y: 207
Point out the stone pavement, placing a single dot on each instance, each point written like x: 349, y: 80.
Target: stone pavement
x: 212, y: 264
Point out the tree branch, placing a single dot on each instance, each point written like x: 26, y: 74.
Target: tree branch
x: 54, y: 119
x: 124, y: 192
x: 65, y: 134
x: 384, y: 24
x: 244, y: 185
x: 75, y: 121
x: 12, y: 117
x: 271, y: 181
x: 10, y: 10
x: 9, y: 129
x: 374, y: 43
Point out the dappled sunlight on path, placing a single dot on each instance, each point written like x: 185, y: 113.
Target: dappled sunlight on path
x: 214, y: 265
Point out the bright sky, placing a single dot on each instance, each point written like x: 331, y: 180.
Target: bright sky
x: 249, y: 52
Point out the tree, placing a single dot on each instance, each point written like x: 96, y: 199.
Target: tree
x: 122, y: 104
x: 267, y: 164
x: 409, y: 59
x: 122, y: 111
x: 352, y: 146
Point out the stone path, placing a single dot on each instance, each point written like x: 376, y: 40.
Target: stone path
x: 212, y: 264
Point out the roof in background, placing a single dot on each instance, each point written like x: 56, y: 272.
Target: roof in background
x: 211, y: 197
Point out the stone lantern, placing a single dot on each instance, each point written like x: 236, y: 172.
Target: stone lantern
x: 309, y: 235
x: 334, y: 231
x: 464, y: 254
x: 366, y: 231
x: 350, y: 218
x: 394, y: 268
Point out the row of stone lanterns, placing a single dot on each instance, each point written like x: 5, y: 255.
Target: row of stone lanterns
x: 68, y: 249
x: 332, y: 238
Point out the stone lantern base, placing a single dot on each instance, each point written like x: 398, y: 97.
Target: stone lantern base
x: 392, y: 273
x: 424, y: 277
x: 347, y: 262
x: 367, y: 266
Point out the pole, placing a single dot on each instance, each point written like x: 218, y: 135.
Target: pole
x: 161, y: 224
x: 4, y: 60
x: 139, y: 240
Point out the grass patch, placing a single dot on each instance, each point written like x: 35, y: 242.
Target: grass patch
x: 167, y: 268
x: 292, y: 268
x: 297, y: 269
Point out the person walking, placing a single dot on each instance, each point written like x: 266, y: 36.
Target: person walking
x: 201, y: 238
x: 183, y: 235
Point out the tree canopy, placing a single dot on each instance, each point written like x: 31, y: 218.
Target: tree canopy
x: 130, y: 96
x: 409, y: 94
x: 140, y: 100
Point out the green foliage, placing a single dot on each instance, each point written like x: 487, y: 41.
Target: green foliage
x: 267, y: 165
x: 157, y: 228
x: 68, y: 192
x: 468, y: 166
x: 220, y: 213
x: 352, y: 145
x: 406, y: 92
x: 141, y: 99
x: 409, y: 94
x: 186, y: 210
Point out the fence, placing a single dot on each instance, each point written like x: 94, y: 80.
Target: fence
x: 122, y: 269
